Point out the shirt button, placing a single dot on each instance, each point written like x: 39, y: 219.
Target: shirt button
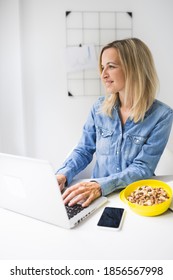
x: 137, y: 141
x: 118, y: 169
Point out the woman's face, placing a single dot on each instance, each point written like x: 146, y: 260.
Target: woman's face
x: 112, y: 74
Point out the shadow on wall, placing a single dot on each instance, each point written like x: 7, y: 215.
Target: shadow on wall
x: 165, y: 165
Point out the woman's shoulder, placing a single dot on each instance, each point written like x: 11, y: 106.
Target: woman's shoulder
x: 159, y: 110
x: 98, y: 103
x: 159, y: 105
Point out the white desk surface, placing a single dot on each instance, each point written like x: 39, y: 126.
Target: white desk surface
x: 140, y: 238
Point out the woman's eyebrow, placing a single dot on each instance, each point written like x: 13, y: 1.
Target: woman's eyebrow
x: 111, y: 62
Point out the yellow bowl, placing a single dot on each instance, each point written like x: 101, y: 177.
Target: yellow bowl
x: 152, y: 210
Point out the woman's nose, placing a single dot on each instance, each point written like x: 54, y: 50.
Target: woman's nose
x: 104, y: 73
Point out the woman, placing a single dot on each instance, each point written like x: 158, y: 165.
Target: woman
x: 128, y: 129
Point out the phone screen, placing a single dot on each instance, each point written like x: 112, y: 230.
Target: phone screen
x: 111, y: 217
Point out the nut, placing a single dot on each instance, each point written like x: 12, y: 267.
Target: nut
x: 148, y: 196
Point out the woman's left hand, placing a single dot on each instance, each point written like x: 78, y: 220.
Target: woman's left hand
x: 83, y: 192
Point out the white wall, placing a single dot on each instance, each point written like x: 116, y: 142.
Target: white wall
x: 11, y: 97
x: 52, y: 120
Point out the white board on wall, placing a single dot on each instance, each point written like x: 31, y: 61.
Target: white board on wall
x: 95, y: 29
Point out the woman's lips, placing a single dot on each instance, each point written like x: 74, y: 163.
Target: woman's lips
x: 108, y: 83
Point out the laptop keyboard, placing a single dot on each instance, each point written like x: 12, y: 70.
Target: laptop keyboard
x: 73, y: 210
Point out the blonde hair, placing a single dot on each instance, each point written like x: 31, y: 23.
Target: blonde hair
x: 141, y: 80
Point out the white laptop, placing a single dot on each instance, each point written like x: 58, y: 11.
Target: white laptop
x: 28, y: 186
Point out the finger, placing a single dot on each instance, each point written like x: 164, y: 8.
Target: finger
x: 88, y: 201
x: 75, y: 197
x: 77, y: 200
x: 92, y: 195
x: 84, y: 198
x: 61, y: 186
x: 76, y: 189
x: 69, y: 195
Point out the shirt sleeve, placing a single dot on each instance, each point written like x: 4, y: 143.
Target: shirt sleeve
x: 143, y: 166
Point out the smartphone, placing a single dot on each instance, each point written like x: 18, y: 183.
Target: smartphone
x: 111, y: 217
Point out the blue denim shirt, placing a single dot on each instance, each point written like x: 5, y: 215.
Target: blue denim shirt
x: 124, y: 153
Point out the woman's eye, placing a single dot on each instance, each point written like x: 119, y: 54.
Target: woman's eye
x: 109, y: 66
x: 112, y: 66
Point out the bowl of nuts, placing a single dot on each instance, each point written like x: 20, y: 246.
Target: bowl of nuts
x: 147, y: 197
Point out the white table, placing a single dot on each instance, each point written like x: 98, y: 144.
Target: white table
x: 140, y: 237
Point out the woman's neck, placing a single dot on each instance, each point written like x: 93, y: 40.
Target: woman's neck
x: 124, y: 114
x: 124, y: 110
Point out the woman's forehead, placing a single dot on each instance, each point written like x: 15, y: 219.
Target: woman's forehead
x: 110, y: 55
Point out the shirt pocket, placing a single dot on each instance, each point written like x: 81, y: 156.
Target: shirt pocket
x: 104, y: 140
x: 133, y: 146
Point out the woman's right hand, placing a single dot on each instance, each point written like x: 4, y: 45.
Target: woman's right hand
x: 61, y: 180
